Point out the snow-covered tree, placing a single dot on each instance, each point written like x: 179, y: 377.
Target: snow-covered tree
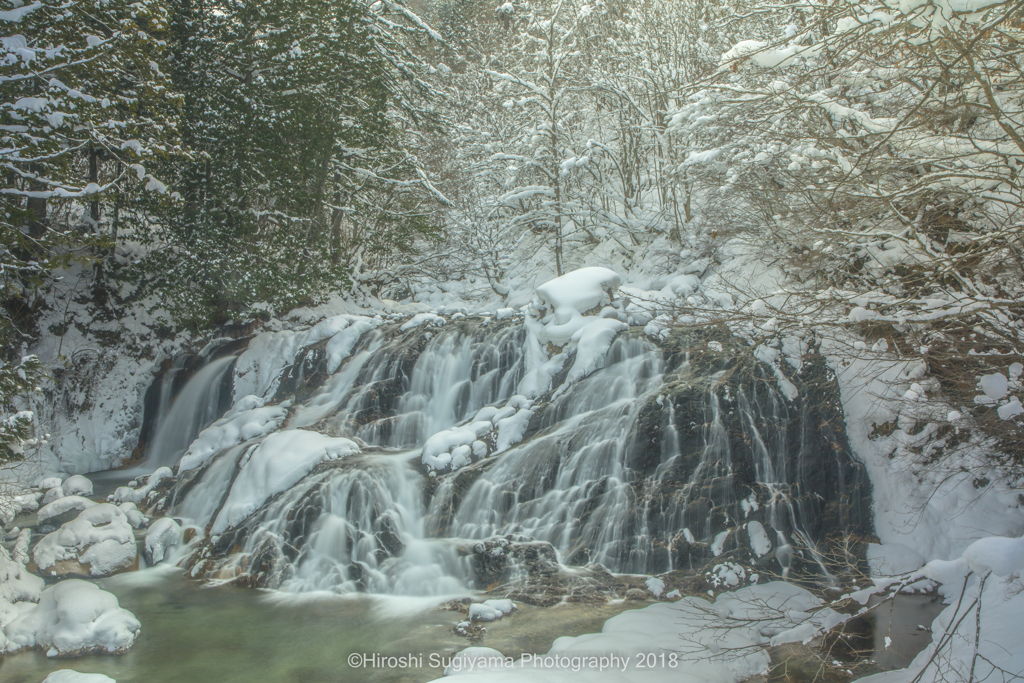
x: 297, y: 121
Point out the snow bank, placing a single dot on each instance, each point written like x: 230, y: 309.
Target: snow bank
x: 276, y: 464
x: 721, y: 642
x: 100, y: 537
x: 983, y: 589
x: 248, y: 419
x: 73, y: 617
x: 259, y: 368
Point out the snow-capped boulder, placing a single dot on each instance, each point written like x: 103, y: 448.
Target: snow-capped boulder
x: 578, y: 313
x: 73, y: 617
x: 163, y: 535
x: 77, y: 485
x: 99, y: 541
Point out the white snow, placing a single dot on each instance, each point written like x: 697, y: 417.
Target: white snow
x: 721, y: 642
x: 994, y: 386
x: 1011, y: 409
x: 100, y: 537
x: 718, y: 545
x: 556, y: 318
x: 274, y: 465
x: 62, y: 505
x: 72, y: 676
x: 127, y: 494
x: 77, y: 485
x: 759, y: 541
x: 74, y: 617
x: 505, y: 427
x: 249, y: 419
x: 423, y: 319
x: 258, y: 369
x: 163, y: 535
x: 489, y: 610
x: 575, y: 293
x: 655, y: 585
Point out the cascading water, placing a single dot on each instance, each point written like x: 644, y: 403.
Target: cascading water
x: 201, y: 401
x: 663, y: 459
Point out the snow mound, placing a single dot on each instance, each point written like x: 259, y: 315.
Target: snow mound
x: 127, y: 494
x: 759, y: 541
x: 77, y: 485
x: 423, y: 319
x: 276, y: 464
x: 575, y: 293
x: 491, y: 431
x: 999, y: 555
x: 74, y: 617
x: 12, y: 505
x: 19, y: 588
x: 655, y: 585
x: 100, y: 537
x: 161, y: 537
x: 249, y: 419
x: 557, y: 317
x: 62, y: 505
x: 489, y: 610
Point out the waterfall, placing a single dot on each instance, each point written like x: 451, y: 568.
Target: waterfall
x: 200, y: 402
x: 659, y: 460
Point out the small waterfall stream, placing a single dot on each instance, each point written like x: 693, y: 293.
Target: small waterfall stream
x: 202, y: 400
x: 660, y: 460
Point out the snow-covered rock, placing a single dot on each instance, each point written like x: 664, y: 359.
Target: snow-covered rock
x: 99, y: 541
x: 461, y: 445
x: 77, y: 485
x: 73, y: 617
x: 127, y: 494
x: 250, y: 418
x: 558, y: 318
x: 489, y: 610
x: 62, y: 505
x: 276, y: 464
x: 258, y: 369
x: 163, y: 535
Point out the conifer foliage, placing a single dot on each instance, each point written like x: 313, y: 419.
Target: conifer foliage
x: 294, y: 122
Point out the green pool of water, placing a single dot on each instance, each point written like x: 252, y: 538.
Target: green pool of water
x: 193, y: 633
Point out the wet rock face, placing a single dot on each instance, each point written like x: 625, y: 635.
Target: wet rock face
x: 674, y: 457
x: 680, y: 453
x: 529, y: 571
x: 748, y: 454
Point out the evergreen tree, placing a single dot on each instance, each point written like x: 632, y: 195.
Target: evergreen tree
x: 296, y: 118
